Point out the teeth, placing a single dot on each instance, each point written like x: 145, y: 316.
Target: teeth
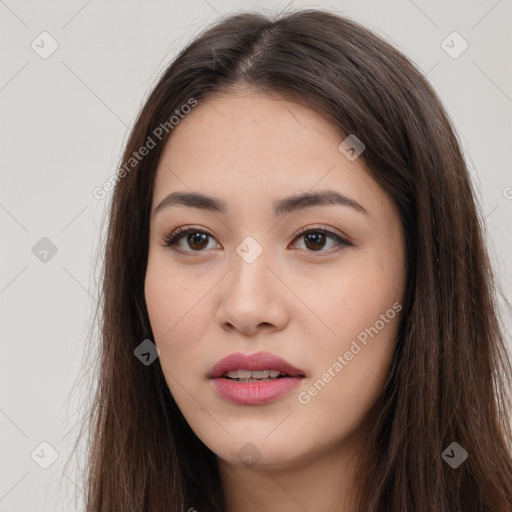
x: 254, y: 374
x: 260, y: 374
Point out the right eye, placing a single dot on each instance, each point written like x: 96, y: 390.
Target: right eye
x: 196, y: 239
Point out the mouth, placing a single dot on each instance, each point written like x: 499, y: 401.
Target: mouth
x: 261, y: 365
x: 254, y: 375
x: 254, y: 379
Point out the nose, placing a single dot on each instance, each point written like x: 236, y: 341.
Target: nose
x: 253, y: 298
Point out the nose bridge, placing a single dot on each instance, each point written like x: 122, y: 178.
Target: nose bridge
x: 250, y: 272
x: 249, y: 295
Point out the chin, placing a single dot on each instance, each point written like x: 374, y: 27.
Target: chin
x: 260, y: 454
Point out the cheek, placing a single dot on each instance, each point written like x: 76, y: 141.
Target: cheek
x: 178, y: 314
x: 350, y: 373
x: 162, y: 301
x: 354, y: 300
x: 169, y: 295
x: 362, y: 309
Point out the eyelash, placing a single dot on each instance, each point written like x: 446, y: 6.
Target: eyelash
x: 172, y: 239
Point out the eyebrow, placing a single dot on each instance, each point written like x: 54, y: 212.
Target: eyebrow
x: 280, y: 206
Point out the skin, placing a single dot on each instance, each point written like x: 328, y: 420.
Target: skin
x: 304, y: 305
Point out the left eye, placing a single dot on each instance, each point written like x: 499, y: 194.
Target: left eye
x: 314, y: 239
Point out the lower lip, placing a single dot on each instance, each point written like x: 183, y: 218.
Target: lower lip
x: 254, y: 393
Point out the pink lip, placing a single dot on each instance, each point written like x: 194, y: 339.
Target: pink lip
x: 254, y: 393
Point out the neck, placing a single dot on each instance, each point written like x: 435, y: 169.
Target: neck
x: 324, y: 484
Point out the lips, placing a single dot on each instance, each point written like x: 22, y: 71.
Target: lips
x: 257, y: 361
x: 264, y: 386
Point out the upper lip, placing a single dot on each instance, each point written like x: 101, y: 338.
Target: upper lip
x: 257, y: 361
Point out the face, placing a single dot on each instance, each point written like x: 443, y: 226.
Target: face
x: 315, y: 282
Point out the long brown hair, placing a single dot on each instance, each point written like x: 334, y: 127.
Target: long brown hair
x: 450, y: 379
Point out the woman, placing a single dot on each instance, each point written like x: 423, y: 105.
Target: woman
x: 298, y: 307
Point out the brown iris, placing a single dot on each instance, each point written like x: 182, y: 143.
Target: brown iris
x: 197, y: 238
x: 316, y: 238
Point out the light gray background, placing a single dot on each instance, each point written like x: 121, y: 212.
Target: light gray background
x: 64, y: 120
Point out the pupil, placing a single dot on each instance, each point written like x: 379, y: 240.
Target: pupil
x: 318, y: 240
x: 197, y: 238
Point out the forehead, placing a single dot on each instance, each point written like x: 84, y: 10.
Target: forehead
x: 251, y: 124
x: 254, y: 146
